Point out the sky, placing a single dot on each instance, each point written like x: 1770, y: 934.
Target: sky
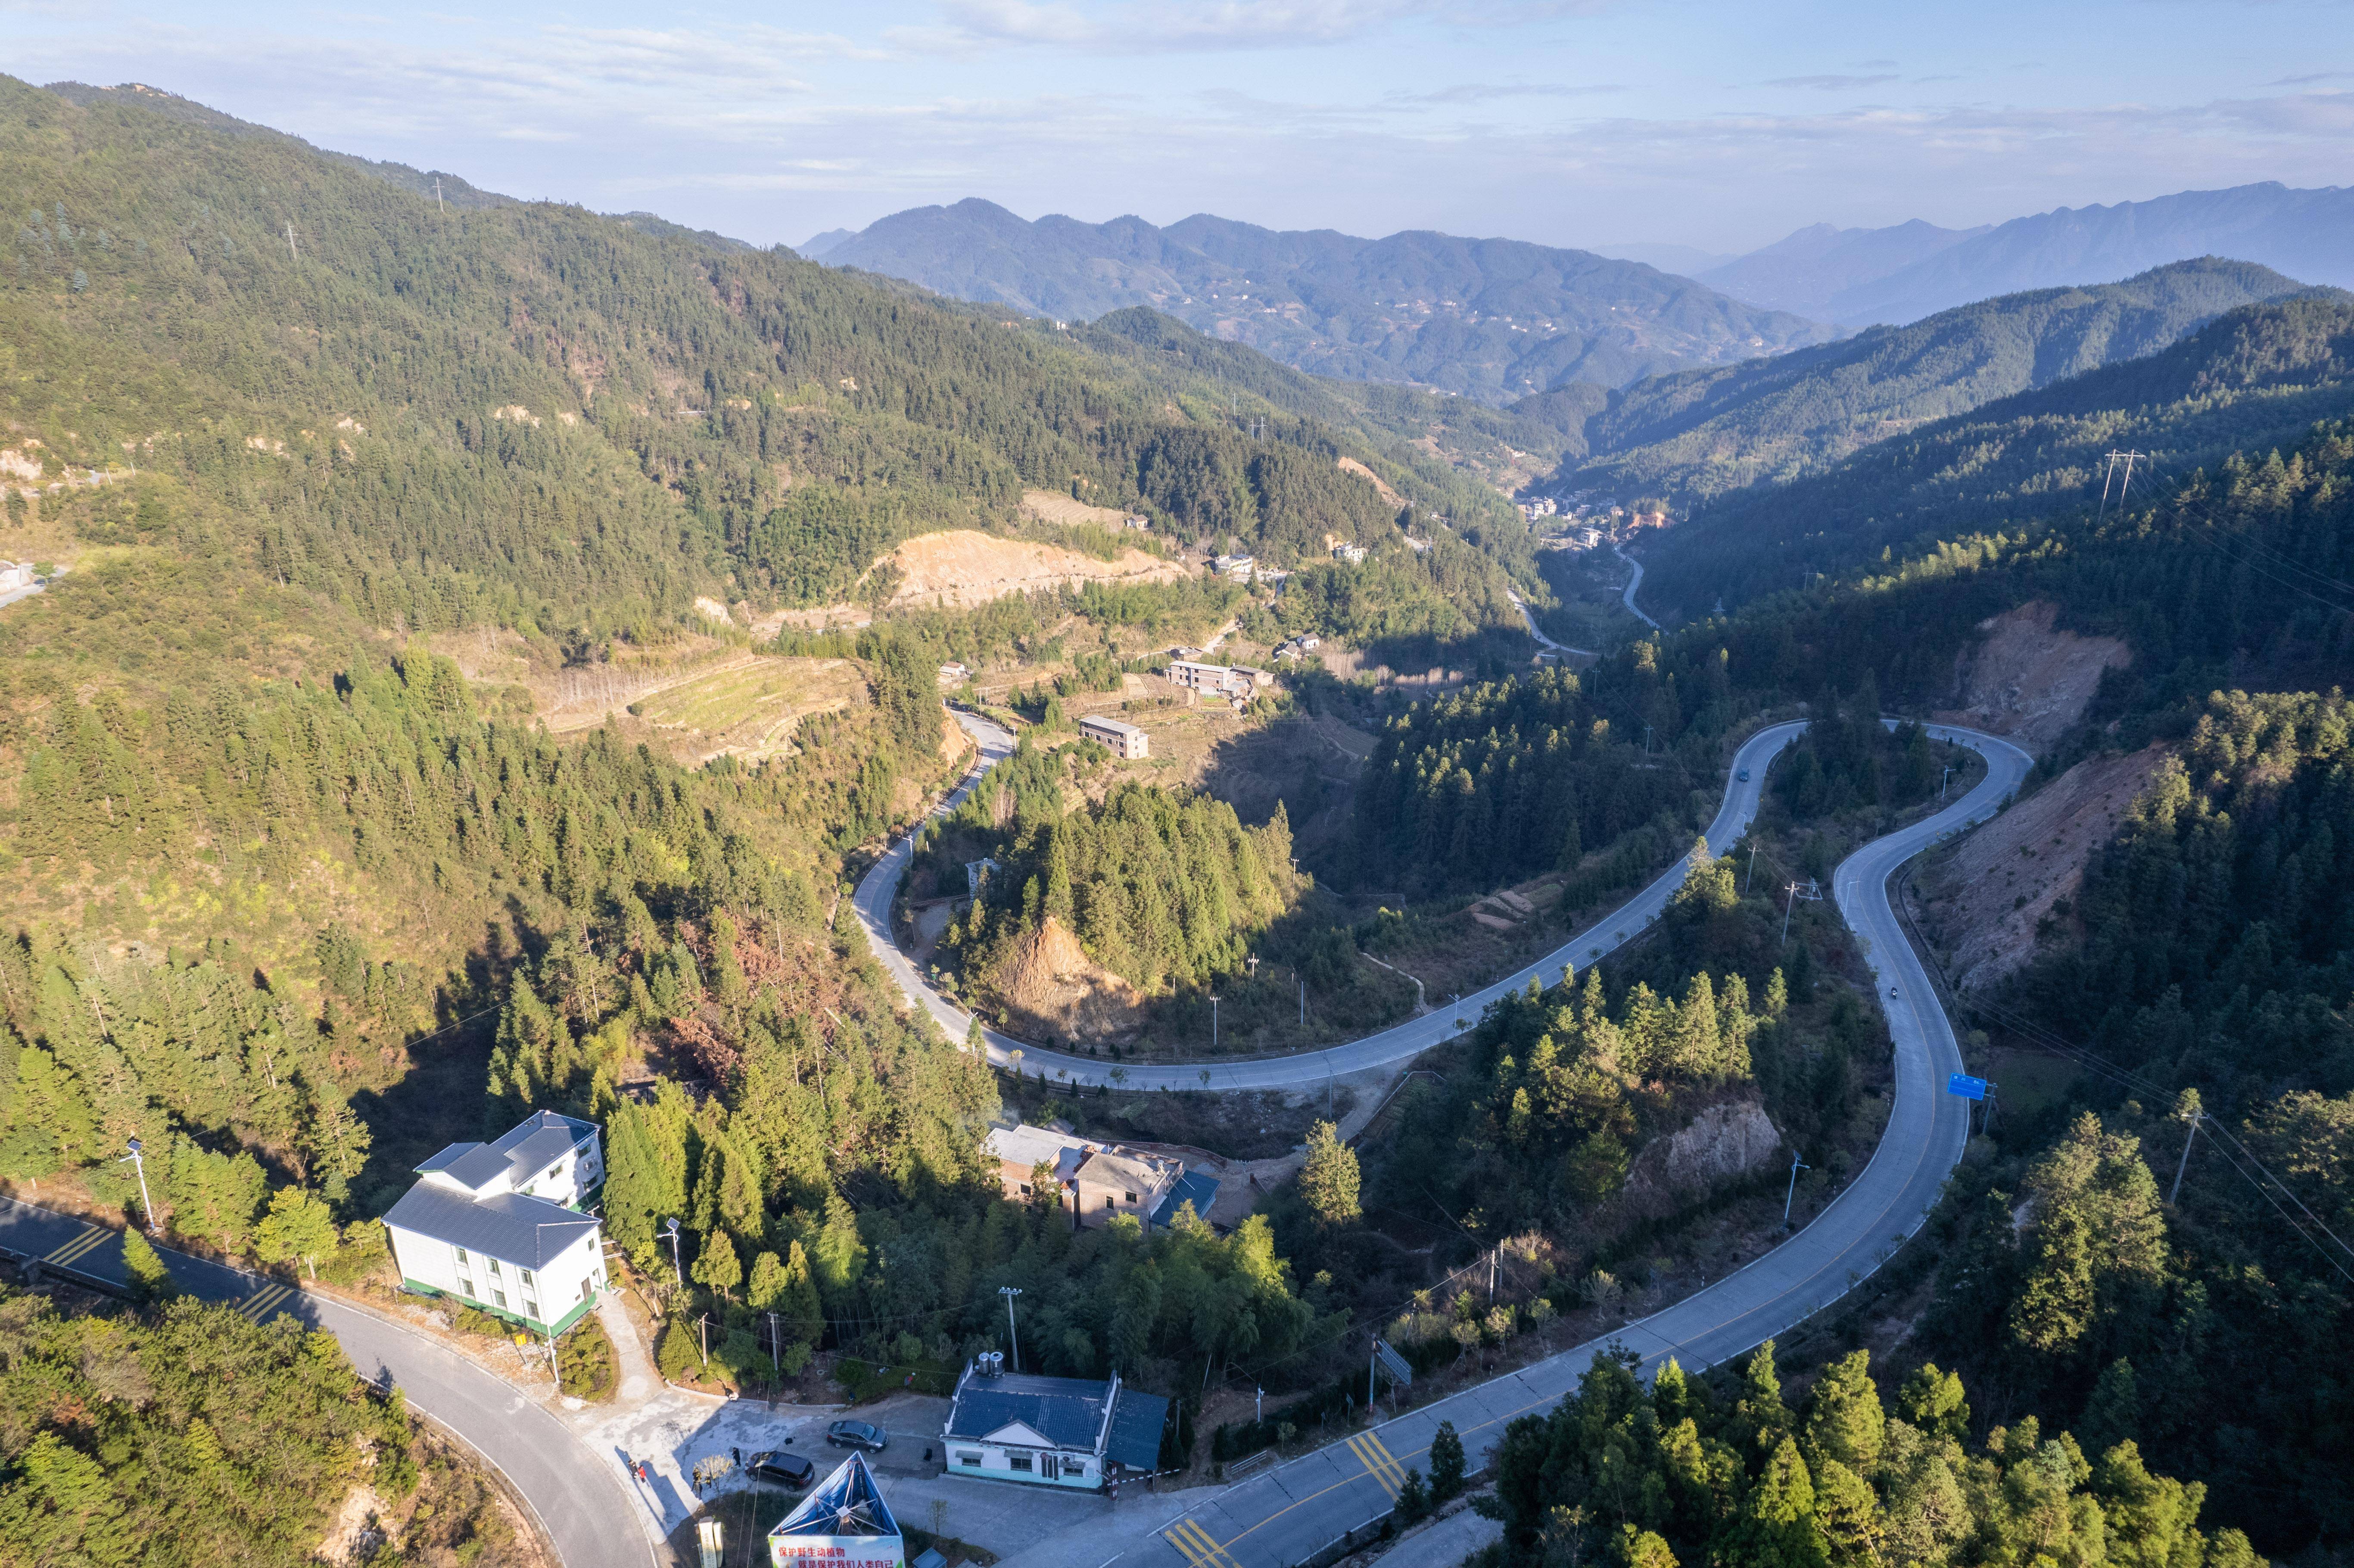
x: 1717, y: 125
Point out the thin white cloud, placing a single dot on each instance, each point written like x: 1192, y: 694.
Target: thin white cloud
x: 1832, y: 83
x: 1489, y: 92
x: 1158, y: 26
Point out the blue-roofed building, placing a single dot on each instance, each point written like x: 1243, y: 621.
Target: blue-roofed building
x: 1069, y: 1432
x: 500, y: 1226
x: 842, y: 1522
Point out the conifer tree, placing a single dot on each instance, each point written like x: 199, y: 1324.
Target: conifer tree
x: 151, y: 1284
x: 716, y: 1266
x: 1328, y: 1180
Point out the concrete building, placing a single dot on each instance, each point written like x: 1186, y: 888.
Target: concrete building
x: 1236, y: 567
x: 1072, y: 1432
x: 1352, y: 554
x: 1097, y: 1181
x: 499, y: 1225
x: 1218, y: 680
x: 1126, y: 741
x: 14, y: 574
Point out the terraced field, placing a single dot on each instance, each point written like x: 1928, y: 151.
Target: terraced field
x: 748, y: 705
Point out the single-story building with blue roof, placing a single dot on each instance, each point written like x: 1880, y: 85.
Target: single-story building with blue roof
x: 1066, y: 1432
x: 499, y: 1225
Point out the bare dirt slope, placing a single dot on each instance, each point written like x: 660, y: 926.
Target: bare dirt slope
x: 1054, y: 991
x: 1986, y: 900
x: 1054, y: 507
x: 1351, y: 465
x: 964, y: 567
x: 2028, y: 681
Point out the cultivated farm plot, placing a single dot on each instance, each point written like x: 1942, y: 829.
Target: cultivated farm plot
x: 749, y: 706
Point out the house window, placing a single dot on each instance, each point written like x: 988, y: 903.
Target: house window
x: 499, y: 1296
x: 1019, y: 1462
x: 526, y: 1278
x: 967, y: 1459
x: 531, y: 1308
x: 1026, y: 1189
x: 461, y: 1257
x: 1049, y: 1467
x: 1131, y: 1197
x: 466, y: 1288
x: 1076, y: 1469
x: 494, y: 1263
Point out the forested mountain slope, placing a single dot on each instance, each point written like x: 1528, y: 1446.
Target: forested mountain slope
x: 1490, y: 319
x: 1700, y: 434
x: 2258, y: 377
x: 419, y: 408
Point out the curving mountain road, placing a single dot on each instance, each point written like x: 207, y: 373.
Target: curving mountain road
x: 1634, y: 581
x: 1401, y: 1044
x: 1340, y: 1494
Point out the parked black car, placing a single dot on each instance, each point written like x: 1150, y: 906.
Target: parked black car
x: 858, y: 1435
x: 782, y: 1470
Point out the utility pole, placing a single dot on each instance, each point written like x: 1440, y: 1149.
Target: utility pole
x: 437, y: 194
x: 675, y: 1267
x: 290, y: 250
x: 1811, y: 893
x: 1303, y: 1002
x: 1791, y: 1196
x: 1942, y: 779
x: 2187, y: 1107
x: 2129, y: 459
x: 1214, y: 1023
x: 1258, y: 1411
x: 1751, y: 873
x: 1493, y: 1255
x: 146, y: 1204
x: 1012, y: 1334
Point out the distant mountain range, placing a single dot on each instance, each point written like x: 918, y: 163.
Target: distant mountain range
x: 1492, y: 319
x: 1857, y: 277
x: 1698, y: 434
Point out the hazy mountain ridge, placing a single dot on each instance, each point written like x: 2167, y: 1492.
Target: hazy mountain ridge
x: 1860, y: 276
x: 1486, y: 318
x: 1699, y: 434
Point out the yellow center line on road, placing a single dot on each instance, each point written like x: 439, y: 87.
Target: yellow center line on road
x: 1199, y: 1549
x: 82, y: 1245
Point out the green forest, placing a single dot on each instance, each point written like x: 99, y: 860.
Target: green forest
x: 2255, y: 380
x: 186, y: 1434
x: 1697, y: 436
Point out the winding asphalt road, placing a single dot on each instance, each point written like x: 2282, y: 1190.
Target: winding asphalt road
x: 1634, y: 581
x: 1390, y: 1046
x: 1338, y: 1494
x: 578, y: 1500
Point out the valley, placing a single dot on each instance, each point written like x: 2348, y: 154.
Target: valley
x: 1555, y: 919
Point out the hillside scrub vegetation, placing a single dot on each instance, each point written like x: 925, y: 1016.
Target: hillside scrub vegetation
x: 194, y: 1433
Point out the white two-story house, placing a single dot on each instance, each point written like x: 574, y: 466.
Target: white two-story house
x: 499, y: 1225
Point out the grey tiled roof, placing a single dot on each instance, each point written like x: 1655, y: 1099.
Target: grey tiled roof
x: 525, y: 1151
x: 1065, y: 1411
x: 513, y: 1228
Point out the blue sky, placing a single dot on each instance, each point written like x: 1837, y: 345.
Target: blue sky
x: 1568, y: 122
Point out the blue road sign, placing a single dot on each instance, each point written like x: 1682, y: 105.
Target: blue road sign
x: 1969, y: 1088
